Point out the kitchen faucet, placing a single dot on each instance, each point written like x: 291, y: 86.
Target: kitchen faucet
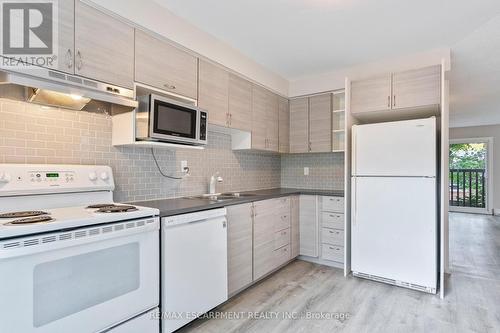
x: 213, y: 179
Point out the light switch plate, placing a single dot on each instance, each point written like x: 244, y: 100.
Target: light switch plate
x: 306, y: 171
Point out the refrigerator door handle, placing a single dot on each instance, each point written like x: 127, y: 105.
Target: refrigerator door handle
x: 353, y: 151
x: 354, y: 201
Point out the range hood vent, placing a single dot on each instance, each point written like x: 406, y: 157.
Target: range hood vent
x: 52, y: 88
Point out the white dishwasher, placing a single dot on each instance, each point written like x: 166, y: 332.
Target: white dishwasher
x: 193, y: 266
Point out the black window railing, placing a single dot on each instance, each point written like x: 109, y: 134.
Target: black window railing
x: 468, y: 188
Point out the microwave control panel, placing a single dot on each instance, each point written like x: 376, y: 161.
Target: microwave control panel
x: 203, y: 126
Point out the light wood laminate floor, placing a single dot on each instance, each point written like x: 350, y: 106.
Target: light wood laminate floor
x: 472, y: 302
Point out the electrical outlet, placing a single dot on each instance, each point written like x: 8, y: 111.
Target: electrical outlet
x: 306, y: 171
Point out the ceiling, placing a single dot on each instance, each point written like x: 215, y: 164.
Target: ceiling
x: 299, y: 38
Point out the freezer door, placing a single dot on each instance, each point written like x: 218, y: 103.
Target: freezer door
x: 394, y: 229
x: 403, y: 148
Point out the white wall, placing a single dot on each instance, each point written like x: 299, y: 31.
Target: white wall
x: 482, y: 132
x: 150, y: 15
x: 336, y: 80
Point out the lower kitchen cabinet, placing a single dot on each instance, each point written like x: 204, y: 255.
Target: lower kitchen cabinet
x: 271, y: 235
x: 308, y: 217
x: 239, y: 247
x: 294, y: 222
x: 332, y: 228
x: 321, y: 227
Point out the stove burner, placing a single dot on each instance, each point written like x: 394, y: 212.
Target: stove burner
x: 101, y: 206
x: 31, y: 220
x: 117, y: 209
x: 13, y: 215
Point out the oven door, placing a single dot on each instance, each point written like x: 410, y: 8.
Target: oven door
x: 79, y: 281
x: 172, y: 121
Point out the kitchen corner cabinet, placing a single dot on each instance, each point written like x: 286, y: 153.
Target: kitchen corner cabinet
x: 320, y: 123
x: 308, y: 228
x: 411, y: 89
x: 213, y: 93
x: 103, y: 47
x: 299, y: 125
x: 272, y: 122
x: 259, y: 118
x: 240, y: 103
x: 240, y: 247
x: 284, y: 125
x: 163, y: 66
x: 264, y: 119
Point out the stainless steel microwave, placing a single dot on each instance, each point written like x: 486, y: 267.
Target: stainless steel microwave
x: 160, y: 118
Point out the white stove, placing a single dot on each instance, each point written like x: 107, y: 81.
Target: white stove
x: 70, y: 258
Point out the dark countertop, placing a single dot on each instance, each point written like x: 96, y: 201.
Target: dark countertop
x: 176, y: 206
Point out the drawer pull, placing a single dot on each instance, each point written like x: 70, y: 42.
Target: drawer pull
x: 283, y: 233
x: 284, y: 217
x: 334, y: 248
x: 334, y: 232
x: 337, y: 216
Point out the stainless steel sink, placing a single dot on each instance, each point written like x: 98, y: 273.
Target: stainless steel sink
x: 222, y: 196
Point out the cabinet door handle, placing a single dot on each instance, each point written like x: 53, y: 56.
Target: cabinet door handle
x: 230, y: 119
x: 69, y: 58
x: 169, y: 86
x: 394, y: 100
x: 388, y: 101
x: 79, y: 61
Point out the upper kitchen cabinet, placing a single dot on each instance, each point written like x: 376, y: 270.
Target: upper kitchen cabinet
x: 161, y: 65
x: 259, y: 117
x: 371, y: 95
x: 240, y: 103
x: 213, y: 91
x: 104, y: 47
x: 284, y: 125
x: 299, y: 125
x: 413, y: 93
x: 66, y: 37
x: 65, y: 21
x: 272, y: 125
x: 320, y: 123
x: 416, y: 88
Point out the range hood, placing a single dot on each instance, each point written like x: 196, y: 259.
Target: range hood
x: 52, y: 88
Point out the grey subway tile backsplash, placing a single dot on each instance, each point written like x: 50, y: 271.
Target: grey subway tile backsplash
x: 34, y: 134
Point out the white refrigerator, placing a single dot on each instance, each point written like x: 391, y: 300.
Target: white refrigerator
x: 394, y: 203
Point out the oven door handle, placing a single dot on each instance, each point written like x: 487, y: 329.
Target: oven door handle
x: 25, y: 246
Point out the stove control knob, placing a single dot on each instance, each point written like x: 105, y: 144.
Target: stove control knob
x: 4, y: 177
x: 104, y: 176
x: 92, y: 176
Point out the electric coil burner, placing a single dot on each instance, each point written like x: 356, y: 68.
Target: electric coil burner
x: 13, y: 215
x: 31, y: 220
x: 117, y: 209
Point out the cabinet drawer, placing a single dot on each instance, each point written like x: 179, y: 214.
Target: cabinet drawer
x: 281, y: 238
x: 332, y: 236
x: 283, y: 205
x: 332, y: 252
x: 282, y: 221
x: 332, y: 204
x: 281, y: 255
x: 332, y: 220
